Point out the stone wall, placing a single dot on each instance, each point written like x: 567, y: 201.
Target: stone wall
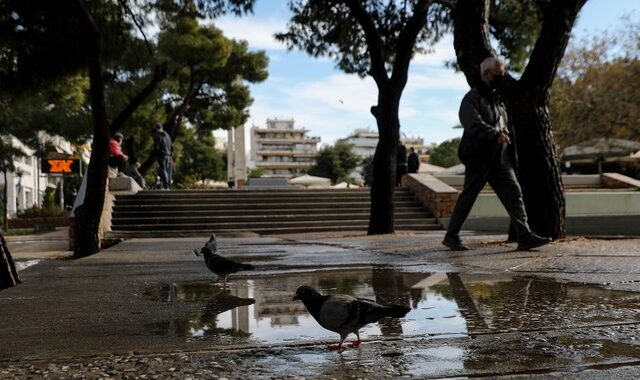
x: 436, y: 195
x: 617, y: 180
x: 32, y: 222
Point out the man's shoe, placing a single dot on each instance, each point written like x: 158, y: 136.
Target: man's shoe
x: 454, y: 244
x: 532, y: 241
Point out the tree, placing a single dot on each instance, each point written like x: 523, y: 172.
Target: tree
x: 208, y: 72
x: 8, y: 273
x: 256, y: 172
x: 336, y: 162
x: 596, y: 92
x: 67, y: 35
x: 445, y: 154
x: 376, y: 38
x: 199, y: 158
x: 8, y: 154
x: 367, y: 170
x: 527, y: 101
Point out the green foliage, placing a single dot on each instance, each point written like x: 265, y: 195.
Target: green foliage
x: 256, y: 172
x: 198, y: 158
x: 335, y: 162
x: 445, y: 154
x: 49, y: 200
x: 42, y: 212
x: 207, y: 87
x: 367, y: 170
x: 332, y: 30
x: 596, y: 92
x: 515, y: 24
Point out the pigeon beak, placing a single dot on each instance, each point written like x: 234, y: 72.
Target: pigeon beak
x: 195, y: 252
x: 295, y: 298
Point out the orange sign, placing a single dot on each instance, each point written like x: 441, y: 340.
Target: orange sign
x: 61, y: 166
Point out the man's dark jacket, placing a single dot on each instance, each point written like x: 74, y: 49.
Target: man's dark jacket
x: 480, y: 113
x: 162, y: 142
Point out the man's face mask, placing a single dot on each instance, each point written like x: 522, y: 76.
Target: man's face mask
x: 497, y: 81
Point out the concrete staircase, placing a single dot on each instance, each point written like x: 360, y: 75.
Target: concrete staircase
x: 200, y: 212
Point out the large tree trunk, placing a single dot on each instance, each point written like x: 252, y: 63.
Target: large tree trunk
x: 87, y: 224
x: 526, y: 101
x: 538, y: 170
x: 381, y: 218
x: 8, y: 273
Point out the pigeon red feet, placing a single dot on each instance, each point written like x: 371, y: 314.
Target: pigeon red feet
x: 356, y: 343
x: 336, y: 347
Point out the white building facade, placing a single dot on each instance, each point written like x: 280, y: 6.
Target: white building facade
x: 26, y: 186
x: 281, y: 149
x: 365, y: 140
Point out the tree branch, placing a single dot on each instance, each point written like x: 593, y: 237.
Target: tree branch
x: 446, y: 3
x: 407, y: 41
x: 374, y: 41
x: 557, y: 22
x: 177, y: 115
x: 470, y: 37
x: 123, y: 4
x: 125, y: 114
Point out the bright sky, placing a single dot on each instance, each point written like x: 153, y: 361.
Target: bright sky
x: 332, y: 104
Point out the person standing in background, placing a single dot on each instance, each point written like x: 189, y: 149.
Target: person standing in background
x: 163, y: 149
x: 413, y: 161
x: 401, y: 163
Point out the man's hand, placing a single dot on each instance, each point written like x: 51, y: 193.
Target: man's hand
x: 504, y: 139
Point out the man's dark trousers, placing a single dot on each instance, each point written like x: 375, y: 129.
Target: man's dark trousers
x: 501, y: 177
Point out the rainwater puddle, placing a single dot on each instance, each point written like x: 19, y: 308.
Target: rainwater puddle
x: 442, y: 305
x: 22, y: 265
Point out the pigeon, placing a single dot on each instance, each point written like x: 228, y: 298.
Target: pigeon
x: 345, y: 314
x: 219, y: 265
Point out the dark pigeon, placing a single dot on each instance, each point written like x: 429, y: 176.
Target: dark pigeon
x: 219, y: 265
x: 345, y: 314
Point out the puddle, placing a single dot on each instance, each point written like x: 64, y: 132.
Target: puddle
x: 22, y: 265
x: 442, y: 305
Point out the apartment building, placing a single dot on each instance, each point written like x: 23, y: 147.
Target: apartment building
x: 281, y: 149
x: 365, y: 140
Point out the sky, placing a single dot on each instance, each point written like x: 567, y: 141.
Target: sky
x: 331, y: 104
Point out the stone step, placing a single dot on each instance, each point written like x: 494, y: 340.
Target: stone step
x: 254, y: 206
x: 194, y: 212
x: 130, y: 212
x: 151, y: 233
x: 251, y: 220
x: 253, y: 199
x: 241, y: 194
x: 260, y: 225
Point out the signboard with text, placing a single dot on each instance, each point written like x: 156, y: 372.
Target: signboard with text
x: 59, y: 164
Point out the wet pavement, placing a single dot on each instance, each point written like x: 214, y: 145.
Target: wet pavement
x: 150, y: 309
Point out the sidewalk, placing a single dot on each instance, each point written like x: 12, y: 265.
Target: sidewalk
x: 49, y: 245
x: 145, y: 306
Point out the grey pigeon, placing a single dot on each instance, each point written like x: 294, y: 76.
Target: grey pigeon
x: 219, y: 265
x: 345, y: 314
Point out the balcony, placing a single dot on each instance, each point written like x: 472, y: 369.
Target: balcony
x: 271, y: 141
x: 284, y: 165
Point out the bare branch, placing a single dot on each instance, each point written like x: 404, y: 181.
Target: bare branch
x: 123, y: 4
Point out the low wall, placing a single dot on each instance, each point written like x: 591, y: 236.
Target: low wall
x: 588, y: 212
x: 434, y: 194
x: 32, y: 222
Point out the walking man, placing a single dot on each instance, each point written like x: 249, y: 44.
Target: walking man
x: 163, y: 149
x: 487, y: 150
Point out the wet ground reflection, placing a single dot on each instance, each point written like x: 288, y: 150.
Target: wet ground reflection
x: 450, y: 304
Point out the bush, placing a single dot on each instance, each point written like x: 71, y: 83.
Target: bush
x: 42, y: 212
